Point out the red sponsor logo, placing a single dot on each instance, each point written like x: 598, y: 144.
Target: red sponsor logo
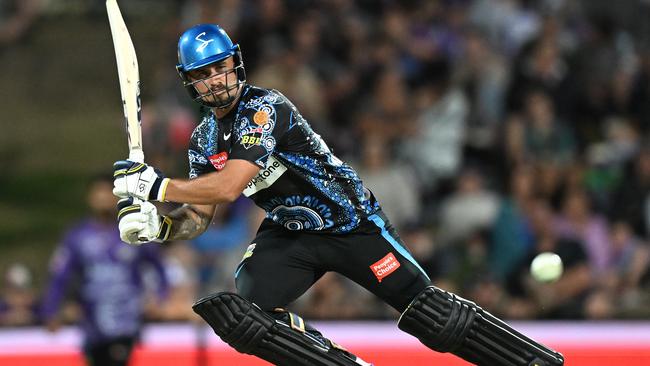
x: 219, y: 160
x: 385, y: 266
x: 253, y: 130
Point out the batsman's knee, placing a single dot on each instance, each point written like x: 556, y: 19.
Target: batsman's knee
x: 445, y: 322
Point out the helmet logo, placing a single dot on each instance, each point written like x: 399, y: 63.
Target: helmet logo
x: 204, y: 43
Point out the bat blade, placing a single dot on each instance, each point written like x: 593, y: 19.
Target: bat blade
x: 127, y: 69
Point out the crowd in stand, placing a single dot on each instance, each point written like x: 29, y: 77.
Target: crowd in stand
x: 489, y: 130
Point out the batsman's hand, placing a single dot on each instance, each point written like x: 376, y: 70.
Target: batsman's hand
x: 140, y: 223
x: 138, y: 180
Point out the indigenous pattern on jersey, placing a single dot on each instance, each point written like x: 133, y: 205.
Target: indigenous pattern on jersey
x: 301, y: 184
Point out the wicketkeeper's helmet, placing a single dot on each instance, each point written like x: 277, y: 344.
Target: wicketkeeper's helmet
x: 203, y: 45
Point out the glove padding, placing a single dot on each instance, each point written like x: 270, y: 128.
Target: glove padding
x: 139, y: 180
x: 140, y: 223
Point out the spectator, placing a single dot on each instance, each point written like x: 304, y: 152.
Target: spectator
x: 483, y: 75
x: 579, y: 223
x: 438, y: 262
x: 435, y: 147
x: 471, y: 270
x: 508, y: 24
x: 631, y: 199
x: 229, y: 231
x: 541, y: 67
x: 17, y: 297
x: 16, y: 19
x: 387, y: 110
x: 471, y: 208
x: 619, y: 293
x: 335, y: 297
x: 564, y: 298
x: 394, y: 184
x: 180, y: 263
x: 541, y: 137
x: 110, y: 278
x: 285, y: 71
x: 512, y: 237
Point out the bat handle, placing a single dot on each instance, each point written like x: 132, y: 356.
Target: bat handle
x: 138, y: 156
x: 137, y: 201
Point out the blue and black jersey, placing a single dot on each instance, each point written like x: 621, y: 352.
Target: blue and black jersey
x: 301, y: 184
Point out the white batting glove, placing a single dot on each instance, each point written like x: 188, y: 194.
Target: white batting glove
x: 139, y: 180
x: 140, y: 223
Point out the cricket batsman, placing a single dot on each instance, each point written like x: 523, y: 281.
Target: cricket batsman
x: 319, y: 218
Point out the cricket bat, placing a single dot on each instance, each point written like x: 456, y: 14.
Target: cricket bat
x: 127, y: 69
x: 128, y: 72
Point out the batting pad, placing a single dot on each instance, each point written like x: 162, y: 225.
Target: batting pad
x: 248, y: 329
x: 448, y: 323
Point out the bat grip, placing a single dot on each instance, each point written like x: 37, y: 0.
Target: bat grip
x: 138, y: 156
x: 137, y: 201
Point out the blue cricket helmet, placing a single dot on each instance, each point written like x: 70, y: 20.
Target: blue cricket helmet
x: 202, y: 45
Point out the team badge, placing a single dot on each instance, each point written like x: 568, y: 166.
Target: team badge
x: 261, y: 118
x: 252, y: 138
x: 204, y: 43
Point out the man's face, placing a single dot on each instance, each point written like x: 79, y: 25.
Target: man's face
x: 215, y: 81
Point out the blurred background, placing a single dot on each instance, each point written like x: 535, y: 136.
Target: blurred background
x: 490, y: 131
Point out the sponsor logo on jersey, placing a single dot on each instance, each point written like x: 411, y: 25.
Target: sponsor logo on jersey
x: 266, y: 177
x: 219, y: 160
x: 385, y: 266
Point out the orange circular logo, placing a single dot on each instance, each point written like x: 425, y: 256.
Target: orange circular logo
x: 261, y: 117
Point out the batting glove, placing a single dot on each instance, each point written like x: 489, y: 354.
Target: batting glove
x: 138, y: 180
x: 140, y: 223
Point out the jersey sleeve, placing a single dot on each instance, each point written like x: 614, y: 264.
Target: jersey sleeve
x: 199, y: 164
x: 262, y: 124
x: 63, y: 266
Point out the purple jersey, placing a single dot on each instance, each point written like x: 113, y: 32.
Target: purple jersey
x: 109, y: 274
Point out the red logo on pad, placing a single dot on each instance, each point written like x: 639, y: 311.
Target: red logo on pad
x: 219, y: 160
x: 385, y: 266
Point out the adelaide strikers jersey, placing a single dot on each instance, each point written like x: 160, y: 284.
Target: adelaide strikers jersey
x: 301, y: 184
